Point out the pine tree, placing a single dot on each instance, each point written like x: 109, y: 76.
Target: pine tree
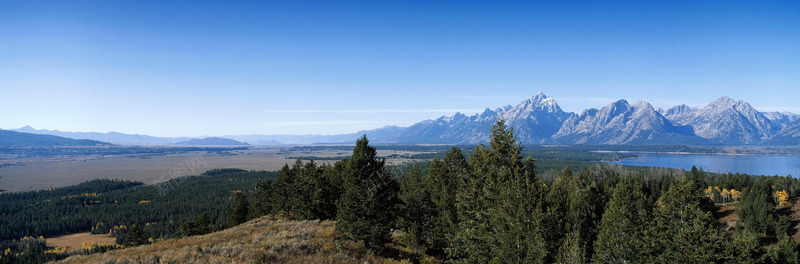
x: 757, y: 210
x: 135, y: 236
x: 585, y: 209
x: 416, y: 211
x: 203, y: 224
x: 698, y: 178
x: 444, y: 176
x: 786, y: 251
x: 682, y: 231
x: 240, y: 210
x: 621, y: 228
x: 744, y: 247
x: 572, y: 251
x: 329, y: 190
x: 306, y: 191
x: 263, y: 198
x: 367, y: 208
x: 470, y: 242
x: 499, y: 205
x: 283, y: 190
x: 200, y: 226
x: 556, y: 207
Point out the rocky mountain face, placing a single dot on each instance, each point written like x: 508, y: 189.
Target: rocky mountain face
x: 535, y: 120
x: 618, y: 123
x: 680, y: 115
x: 783, y: 119
x: 789, y: 135
x: 726, y: 121
x: 540, y: 120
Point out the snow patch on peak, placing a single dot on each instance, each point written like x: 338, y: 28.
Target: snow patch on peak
x: 641, y: 103
x: 722, y: 102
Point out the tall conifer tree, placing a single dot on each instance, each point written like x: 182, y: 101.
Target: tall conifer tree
x: 367, y: 208
x: 621, y: 227
x: 241, y: 208
x: 682, y: 231
x: 499, y: 205
x: 444, y: 176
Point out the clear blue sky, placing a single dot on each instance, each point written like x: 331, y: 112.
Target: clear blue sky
x: 193, y: 68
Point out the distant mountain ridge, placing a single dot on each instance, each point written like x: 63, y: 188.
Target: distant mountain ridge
x: 13, y: 138
x: 539, y: 120
x: 212, y: 141
x: 113, y: 137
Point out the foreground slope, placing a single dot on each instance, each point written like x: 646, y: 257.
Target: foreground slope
x: 261, y: 240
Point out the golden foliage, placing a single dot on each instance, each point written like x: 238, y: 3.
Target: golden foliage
x: 710, y: 192
x: 56, y: 250
x: 782, y: 197
x: 736, y: 195
x: 727, y: 196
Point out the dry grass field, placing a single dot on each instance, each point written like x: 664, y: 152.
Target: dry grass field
x: 75, y: 241
x: 156, y: 169
x: 259, y: 241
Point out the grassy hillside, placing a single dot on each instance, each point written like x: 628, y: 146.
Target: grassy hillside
x: 279, y: 241
x: 259, y: 241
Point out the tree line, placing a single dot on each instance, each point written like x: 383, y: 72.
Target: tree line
x: 491, y: 207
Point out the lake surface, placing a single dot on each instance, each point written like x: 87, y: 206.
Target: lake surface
x: 750, y: 164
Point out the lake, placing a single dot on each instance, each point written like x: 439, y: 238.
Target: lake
x: 749, y: 164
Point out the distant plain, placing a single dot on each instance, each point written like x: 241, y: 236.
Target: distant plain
x: 155, y: 169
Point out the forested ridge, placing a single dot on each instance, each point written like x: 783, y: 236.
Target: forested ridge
x: 113, y: 207
x: 487, y: 205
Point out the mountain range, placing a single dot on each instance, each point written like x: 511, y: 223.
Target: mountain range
x: 113, y: 137
x: 19, y: 139
x: 212, y: 141
x: 539, y: 120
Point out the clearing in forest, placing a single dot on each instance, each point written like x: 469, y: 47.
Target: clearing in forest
x: 74, y: 241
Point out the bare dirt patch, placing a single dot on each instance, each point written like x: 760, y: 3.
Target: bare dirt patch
x: 75, y: 241
x: 796, y: 220
x: 727, y: 213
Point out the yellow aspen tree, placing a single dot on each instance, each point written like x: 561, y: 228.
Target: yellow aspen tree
x: 726, y: 195
x: 709, y: 192
x: 782, y: 197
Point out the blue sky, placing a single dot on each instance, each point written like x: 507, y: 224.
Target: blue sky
x: 194, y: 68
